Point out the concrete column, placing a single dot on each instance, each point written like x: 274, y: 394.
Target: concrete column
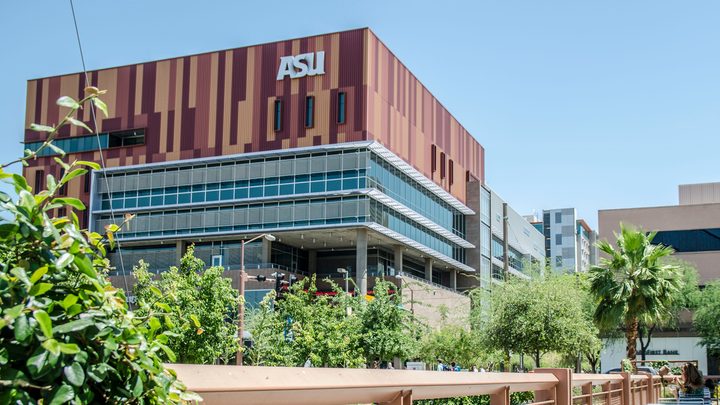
x: 266, y: 250
x: 312, y: 261
x: 361, y: 244
x: 453, y: 279
x: 398, y: 250
x: 428, y: 269
x: 180, y: 249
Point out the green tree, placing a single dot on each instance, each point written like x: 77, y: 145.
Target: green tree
x: 707, y: 314
x: 453, y: 343
x: 386, y: 328
x: 200, y: 308
x: 65, y: 332
x: 304, y: 326
x: 633, y: 285
x: 535, y: 317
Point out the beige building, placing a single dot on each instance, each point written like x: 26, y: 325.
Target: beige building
x: 692, y: 228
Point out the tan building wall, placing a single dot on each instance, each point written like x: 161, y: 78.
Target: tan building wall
x: 703, y: 193
x: 435, y: 306
x: 679, y: 217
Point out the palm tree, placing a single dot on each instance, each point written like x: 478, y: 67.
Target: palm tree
x: 633, y: 284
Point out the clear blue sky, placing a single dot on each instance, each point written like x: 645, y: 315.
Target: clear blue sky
x: 586, y: 104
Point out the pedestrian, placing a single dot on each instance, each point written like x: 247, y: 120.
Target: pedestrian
x: 482, y: 370
x: 474, y: 369
x: 691, y: 382
x: 390, y: 366
x: 440, y: 365
x: 376, y: 363
x: 308, y: 363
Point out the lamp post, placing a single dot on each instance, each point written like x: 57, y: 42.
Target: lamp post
x: 346, y: 274
x: 241, y: 320
x: 401, y: 277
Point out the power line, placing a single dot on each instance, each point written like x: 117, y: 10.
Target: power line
x: 99, y: 144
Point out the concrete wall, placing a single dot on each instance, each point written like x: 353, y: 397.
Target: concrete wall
x: 522, y: 235
x: 688, y: 348
x: 703, y: 193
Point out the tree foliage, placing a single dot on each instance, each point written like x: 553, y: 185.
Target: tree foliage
x: 535, y: 317
x: 634, y: 284
x: 65, y: 333
x: 200, y: 309
x: 707, y: 316
x: 453, y: 343
x: 330, y: 331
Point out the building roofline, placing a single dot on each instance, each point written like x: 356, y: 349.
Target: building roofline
x: 657, y: 207
x: 201, y: 53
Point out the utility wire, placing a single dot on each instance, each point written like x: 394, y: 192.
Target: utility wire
x: 100, y: 149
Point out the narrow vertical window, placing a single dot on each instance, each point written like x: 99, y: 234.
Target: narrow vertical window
x: 341, y: 108
x: 451, y: 172
x: 442, y: 165
x: 63, y: 188
x: 39, y: 180
x: 278, y: 115
x: 467, y: 176
x: 309, y: 112
x: 433, y: 158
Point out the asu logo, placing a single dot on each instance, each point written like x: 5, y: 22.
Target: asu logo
x: 305, y: 64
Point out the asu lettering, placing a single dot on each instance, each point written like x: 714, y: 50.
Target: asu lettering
x: 305, y: 64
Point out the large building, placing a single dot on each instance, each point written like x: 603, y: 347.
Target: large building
x: 569, y: 240
x: 329, y: 143
x: 692, y: 228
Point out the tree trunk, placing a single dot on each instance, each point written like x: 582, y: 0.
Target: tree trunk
x: 631, y: 332
x: 537, y: 359
x: 645, y: 344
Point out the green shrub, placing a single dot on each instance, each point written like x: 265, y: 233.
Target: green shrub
x: 66, y: 334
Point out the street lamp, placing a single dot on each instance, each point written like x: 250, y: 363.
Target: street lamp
x: 241, y: 320
x: 346, y: 275
x: 401, y: 277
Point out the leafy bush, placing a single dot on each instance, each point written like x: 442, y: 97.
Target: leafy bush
x: 200, y: 307
x: 65, y: 333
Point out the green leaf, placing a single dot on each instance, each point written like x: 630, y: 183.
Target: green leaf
x: 156, y: 291
x: 154, y: 323
x: 68, y: 102
x: 195, y: 320
x: 21, y: 183
x: 56, y: 149
x: 91, y: 165
x: 52, y: 346
x: 69, y: 301
x: 73, y: 174
x: 3, y: 356
x: 22, y: 328
x: 62, y: 394
x: 101, y: 106
x: 37, y: 275
x: 44, y: 321
x: 73, y: 326
x: 37, y: 363
x: 79, y: 123
x: 62, y: 164
x: 19, y: 272
x: 74, y: 374
x: 73, y: 202
x: 40, y: 289
x: 84, y: 264
x: 69, y: 348
x: 41, y: 128
x: 62, y: 261
x: 138, y: 387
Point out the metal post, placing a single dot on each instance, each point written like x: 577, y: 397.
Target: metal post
x: 241, y: 321
x: 347, y: 285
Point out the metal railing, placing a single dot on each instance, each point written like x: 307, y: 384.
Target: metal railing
x: 334, y: 386
x: 428, y: 282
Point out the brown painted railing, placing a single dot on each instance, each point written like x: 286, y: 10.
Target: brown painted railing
x: 330, y: 386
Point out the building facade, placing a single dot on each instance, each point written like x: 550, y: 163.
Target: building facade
x: 569, y: 240
x: 692, y: 228
x: 329, y: 143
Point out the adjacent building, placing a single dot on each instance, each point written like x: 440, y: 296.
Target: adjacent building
x: 569, y: 240
x: 329, y: 143
x: 692, y: 228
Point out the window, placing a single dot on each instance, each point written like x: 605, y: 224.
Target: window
x: 39, y: 180
x: 216, y: 260
x: 558, y: 217
x: 62, y: 212
x: 126, y: 138
x: 341, y: 108
x: 451, y: 172
x: 558, y: 239
x: 309, y: 112
x: 442, y: 165
x: 433, y: 158
x: 278, y: 116
x: 88, y: 177
x: 63, y: 189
